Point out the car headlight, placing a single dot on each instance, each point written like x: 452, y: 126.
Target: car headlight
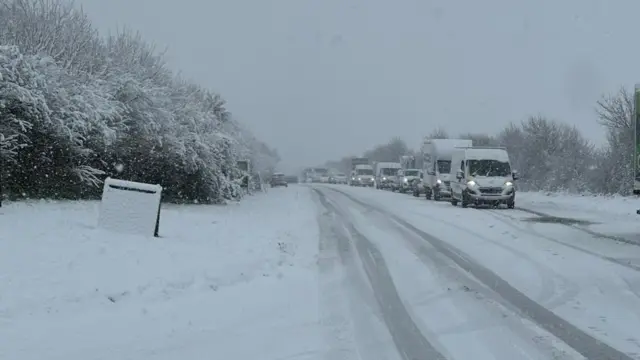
x: 508, y: 184
x: 438, y: 181
x: 384, y: 178
x: 405, y: 180
x: 471, y: 184
x: 359, y: 179
x: 353, y: 178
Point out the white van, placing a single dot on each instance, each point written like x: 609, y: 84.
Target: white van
x: 436, y: 165
x: 362, y: 175
x: 482, y: 175
x: 386, y: 174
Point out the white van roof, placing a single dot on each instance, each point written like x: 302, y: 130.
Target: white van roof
x: 444, y: 148
x: 479, y: 153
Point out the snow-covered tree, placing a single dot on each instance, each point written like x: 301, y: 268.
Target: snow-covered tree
x: 76, y: 107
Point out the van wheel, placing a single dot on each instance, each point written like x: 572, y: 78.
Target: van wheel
x: 436, y: 196
x: 511, y: 204
x: 427, y: 194
x: 454, y: 202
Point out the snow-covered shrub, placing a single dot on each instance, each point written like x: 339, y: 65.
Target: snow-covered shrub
x: 76, y: 107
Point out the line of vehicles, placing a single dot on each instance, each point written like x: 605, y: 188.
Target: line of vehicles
x: 448, y: 169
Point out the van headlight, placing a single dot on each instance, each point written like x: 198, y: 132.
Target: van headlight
x: 438, y: 181
x: 405, y: 180
x: 508, y: 184
x: 384, y: 178
x: 472, y: 184
x: 359, y: 179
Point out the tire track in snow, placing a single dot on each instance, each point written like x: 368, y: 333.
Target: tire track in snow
x: 494, y: 309
x: 550, y: 281
x: 333, y: 307
x: 408, y: 339
x: 564, y: 290
x: 586, y: 345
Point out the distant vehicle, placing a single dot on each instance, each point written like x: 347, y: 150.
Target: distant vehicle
x: 338, y: 178
x: 320, y: 175
x: 358, y: 162
x: 277, y: 179
x: 291, y: 179
x: 436, y: 166
x: 362, y: 175
x: 407, y: 179
x: 483, y: 175
x: 386, y: 174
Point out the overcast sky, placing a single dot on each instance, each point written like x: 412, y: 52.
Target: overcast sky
x: 320, y: 79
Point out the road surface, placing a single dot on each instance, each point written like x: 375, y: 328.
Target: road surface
x: 425, y: 280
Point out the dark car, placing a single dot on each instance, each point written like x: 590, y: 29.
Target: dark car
x: 278, y: 179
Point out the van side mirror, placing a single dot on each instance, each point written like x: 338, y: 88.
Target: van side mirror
x: 514, y: 174
x: 459, y: 174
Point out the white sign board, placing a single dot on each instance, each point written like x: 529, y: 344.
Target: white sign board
x: 130, y: 207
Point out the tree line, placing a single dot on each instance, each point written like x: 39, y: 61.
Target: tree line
x: 77, y: 106
x: 551, y: 155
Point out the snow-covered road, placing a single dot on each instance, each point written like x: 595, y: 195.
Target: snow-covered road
x: 324, y: 272
x: 498, y: 281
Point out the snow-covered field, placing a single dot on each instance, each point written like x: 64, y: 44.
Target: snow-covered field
x: 324, y: 272
x: 222, y: 282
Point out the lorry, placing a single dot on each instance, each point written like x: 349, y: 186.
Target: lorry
x: 307, y: 175
x: 482, y: 176
x: 320, y: 175
x: 361, y: 172
x: 436, y: 166
x: 386, y: 174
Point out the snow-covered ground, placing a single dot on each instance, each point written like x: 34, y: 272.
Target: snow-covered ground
x: 222, y: 282
x: 612, y: 215
x: 593, y: 283
x: 323, y: 272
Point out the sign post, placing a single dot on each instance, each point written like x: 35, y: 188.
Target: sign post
x: 636, y: 142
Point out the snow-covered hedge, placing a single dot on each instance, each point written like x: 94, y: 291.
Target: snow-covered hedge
x: 76, y: 107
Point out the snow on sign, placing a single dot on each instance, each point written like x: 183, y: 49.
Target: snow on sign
x: 130, y: 207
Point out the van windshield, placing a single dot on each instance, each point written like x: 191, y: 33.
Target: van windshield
x: 364, y: 172
x: 488, y: 168
x: 444, y: 166
x: 411, y: 173
x: 389, y: 171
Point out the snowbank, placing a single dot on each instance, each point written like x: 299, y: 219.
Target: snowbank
x: 594, y: 204
x: 209, y: 287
